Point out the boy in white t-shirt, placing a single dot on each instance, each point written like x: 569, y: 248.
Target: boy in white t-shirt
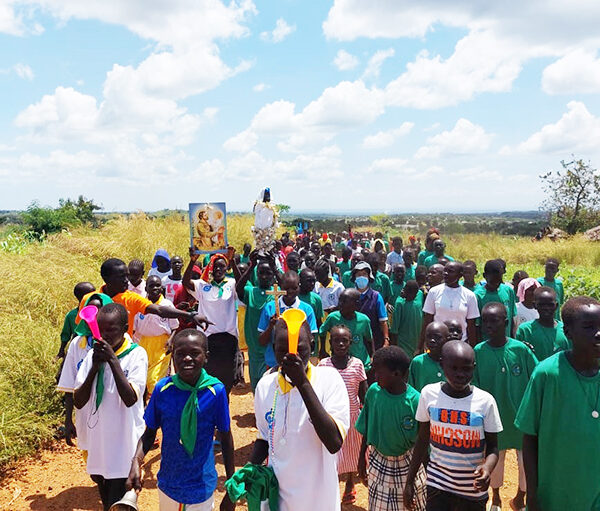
x: 302, y: 415
x: 460, y: 423
x: 108, y: 395
x: 326, y: 287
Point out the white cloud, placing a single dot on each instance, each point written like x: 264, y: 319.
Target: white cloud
x: 346, y: 105
x: 279, y: 33
x: 575, y: 73
x: 576, y: 130
x: 375, y: 62
x: 387, y: 138
x: 242, y: 142
x: 390, y: 165
x: 499, y: 40
x: 464, y: 138
x: 345, y: 61
x: 260, y: 87
x: 23, y: 71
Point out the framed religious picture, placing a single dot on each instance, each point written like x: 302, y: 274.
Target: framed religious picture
x: 208, y: 227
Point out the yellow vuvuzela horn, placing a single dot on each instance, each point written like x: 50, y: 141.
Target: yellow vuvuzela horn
x: 294, y: 319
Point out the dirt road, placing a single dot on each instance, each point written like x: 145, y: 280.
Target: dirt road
x: 56, y: 479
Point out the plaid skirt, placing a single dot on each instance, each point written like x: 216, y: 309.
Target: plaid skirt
x: 387, y: 477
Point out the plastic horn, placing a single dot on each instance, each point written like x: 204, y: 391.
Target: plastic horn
x: 88, y: 314
x: 294, y: 319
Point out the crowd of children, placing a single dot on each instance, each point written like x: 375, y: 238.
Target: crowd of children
x: 410, y: 376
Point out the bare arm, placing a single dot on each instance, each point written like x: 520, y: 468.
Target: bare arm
x: 362, y: 391
x: 144, y: 445
x: 386, y: 332
x: 484, y: 471
x: 471, y: 332
x: 419, y: 456
x: 187, y: 274
x: 260, y: 451
x: 226, y: 439
x: 427, y: 318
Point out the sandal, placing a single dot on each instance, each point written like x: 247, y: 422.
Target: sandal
x: 494, y: 507
x: 349, y: 498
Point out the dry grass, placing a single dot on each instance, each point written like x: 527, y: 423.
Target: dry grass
x: 37, y: 292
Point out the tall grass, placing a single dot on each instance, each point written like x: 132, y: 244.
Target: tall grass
x: 37, y: 282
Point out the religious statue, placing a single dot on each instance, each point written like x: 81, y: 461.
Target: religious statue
x: 265, y: 222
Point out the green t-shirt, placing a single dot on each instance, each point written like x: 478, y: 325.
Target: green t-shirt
x: 360, y: 327
x: 433, y: 259
x: 255, y: 299
x: 557, y: 408
x: 244, y: 259
x: 314, y: 300
x: 343, y: 266
x: 382, y: 286
x: 504, y: 295
x: 423, y: 254
x: 410, y: 273
x: 407, y: 322
x: 557, y: 285
x: 347, y: 279
x: 339, y: 246
x: 395, y: 289
x: 545, y: 340
x: 424, y: 370
x: 388, y: 420
x: 505, y: 372
x: 68, y: 329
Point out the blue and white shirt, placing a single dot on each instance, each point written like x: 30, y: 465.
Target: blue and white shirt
x: 457, y: 437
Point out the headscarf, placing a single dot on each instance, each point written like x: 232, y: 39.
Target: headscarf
x: 208, y: 269
x: 524, y: 285
x: 82, y: 327
x: 162, y: 253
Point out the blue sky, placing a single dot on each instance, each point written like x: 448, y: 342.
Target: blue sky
x: 386, y: 105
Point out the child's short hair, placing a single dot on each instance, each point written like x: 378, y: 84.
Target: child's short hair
x: 544, y: 289
x: 136, y: 264
x: 83, y: 288
x: 396, y: 238
x: 553, y: 260
x: 411, y: 285
x: 571, y: 307
x: 470, y: 264
x: 392, y: 357
x: 109, y: 266
x: 494, y: 266
x: 117, y: 310
x: 494, y: 305
x: 421, y: 270
x: 346, y: 251
x: 341, y: 327
x: 191, y: 332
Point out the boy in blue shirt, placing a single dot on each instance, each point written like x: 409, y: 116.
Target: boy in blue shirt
x: 290, y: 283
x: 187, y: 406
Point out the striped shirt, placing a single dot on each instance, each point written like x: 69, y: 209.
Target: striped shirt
x: 457, y: 437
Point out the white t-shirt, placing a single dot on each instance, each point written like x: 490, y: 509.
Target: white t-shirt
x: 76, y: 353
x: 140, y: 289
x: 160, y: 274
x: 221, y: 311
x: 447, y: 303
x: 152, y: 325
x: 524, y: 314
x: 330, y: 295
x: 114, y: 427
x: 171, y: 287
x: 457, y: 436
x: 305, y: 469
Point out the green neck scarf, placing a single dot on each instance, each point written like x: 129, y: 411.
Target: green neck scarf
x: 188, y: 428
x: 220, y: 285
x: 100, y: 376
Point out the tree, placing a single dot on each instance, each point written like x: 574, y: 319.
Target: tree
x: 283, y: 208
x: 573, y: 195
x: 46, y: 220
x: 82, y: 208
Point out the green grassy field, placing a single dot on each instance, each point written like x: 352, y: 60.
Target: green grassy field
x: 37, y: 292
